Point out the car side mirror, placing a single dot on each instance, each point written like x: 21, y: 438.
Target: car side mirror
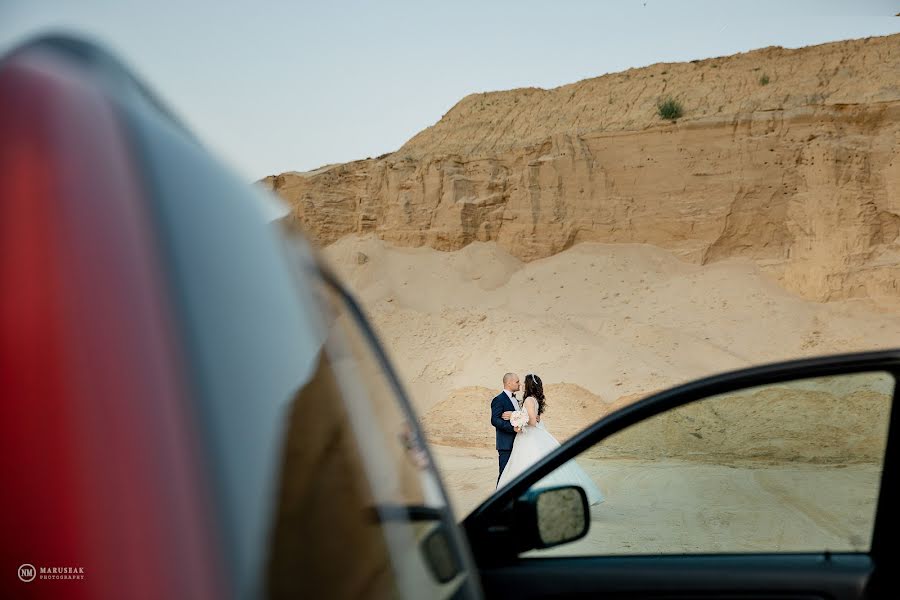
x: 552, y: 516
x: 440, y: 556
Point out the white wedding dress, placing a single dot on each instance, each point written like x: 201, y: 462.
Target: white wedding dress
x: 534, y: 443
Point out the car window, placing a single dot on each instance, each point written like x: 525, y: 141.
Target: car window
x: 788, y: 467
x: 384, y: 429
x: 382, y: 458
x: 356, y: 473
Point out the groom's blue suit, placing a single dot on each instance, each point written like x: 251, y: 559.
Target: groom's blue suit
x: 506, y: 433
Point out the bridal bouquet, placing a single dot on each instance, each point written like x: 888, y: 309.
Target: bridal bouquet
x: 519, y: 418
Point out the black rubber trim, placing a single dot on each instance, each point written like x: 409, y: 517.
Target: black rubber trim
x: 836, y: 577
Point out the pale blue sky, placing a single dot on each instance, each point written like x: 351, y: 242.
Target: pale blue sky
x: 276, y: 86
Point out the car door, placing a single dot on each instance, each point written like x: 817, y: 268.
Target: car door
x: 192, y: 407
x: 777, y: 481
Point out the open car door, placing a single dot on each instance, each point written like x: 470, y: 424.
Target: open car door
x: 777, y: 481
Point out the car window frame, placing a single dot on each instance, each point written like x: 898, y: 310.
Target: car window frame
x: 493, y: 509
x: 446, y: 519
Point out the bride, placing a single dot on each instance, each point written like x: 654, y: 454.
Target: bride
x: 534, y: 442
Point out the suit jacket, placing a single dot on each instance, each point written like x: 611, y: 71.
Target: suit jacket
x: 506, y: 433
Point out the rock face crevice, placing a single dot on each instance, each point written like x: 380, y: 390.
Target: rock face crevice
x: 801, y: 175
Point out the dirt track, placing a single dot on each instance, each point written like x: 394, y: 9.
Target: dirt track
x: 681, y: 507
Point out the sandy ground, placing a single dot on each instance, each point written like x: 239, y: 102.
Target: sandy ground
x: 683, y: 507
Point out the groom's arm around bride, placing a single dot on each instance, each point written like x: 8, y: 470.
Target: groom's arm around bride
x: 500, y: 414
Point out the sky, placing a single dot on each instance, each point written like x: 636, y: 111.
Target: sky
x: 274, y: 86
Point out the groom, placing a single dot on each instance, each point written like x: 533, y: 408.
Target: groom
x: 501, y: 408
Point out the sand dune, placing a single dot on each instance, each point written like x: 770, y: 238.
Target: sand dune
x: 616, y: 321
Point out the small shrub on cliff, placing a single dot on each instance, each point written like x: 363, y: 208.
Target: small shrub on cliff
x: 764, y: 80
x: 669, y: 108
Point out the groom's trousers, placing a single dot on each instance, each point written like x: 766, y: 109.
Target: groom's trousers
x: 504, y: 458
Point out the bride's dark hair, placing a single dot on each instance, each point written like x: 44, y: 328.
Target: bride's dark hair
x: 534, y: 388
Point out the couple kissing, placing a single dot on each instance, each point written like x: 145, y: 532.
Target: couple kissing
x: 522, y: 439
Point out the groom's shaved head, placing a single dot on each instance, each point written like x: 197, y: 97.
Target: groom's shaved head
x: 509, y: 378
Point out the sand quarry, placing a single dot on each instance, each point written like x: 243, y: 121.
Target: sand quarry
x: 575, y: 233
x: 607, y: 324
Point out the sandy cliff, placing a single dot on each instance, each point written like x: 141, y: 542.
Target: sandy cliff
x: 800, y: 175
